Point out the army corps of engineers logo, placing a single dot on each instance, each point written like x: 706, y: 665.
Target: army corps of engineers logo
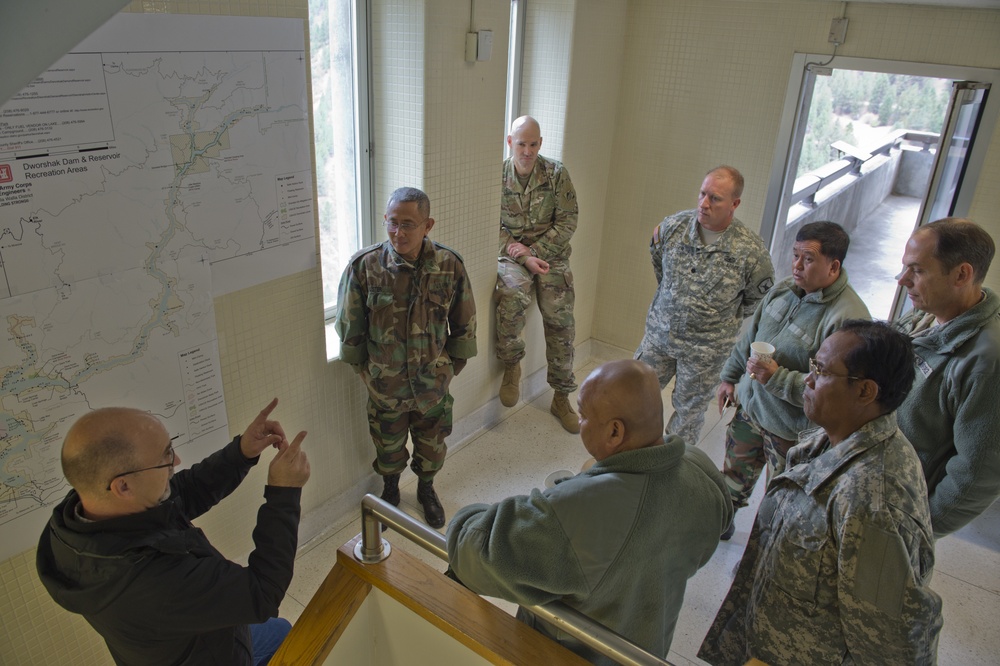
x: 6, y: 175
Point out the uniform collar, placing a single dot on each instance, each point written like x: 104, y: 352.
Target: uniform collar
x: 814, y: 460
x: 947, y: 337
x: 538, y: 177
x: 425, y: 259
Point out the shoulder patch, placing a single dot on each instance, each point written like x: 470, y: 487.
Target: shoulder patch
x: 656, y: 234
x: 765, y: 285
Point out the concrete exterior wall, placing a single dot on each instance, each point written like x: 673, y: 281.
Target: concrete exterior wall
x: 848, y: 201
x: 914, y: 175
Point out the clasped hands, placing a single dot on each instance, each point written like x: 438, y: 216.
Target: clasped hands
x: 534, y: 265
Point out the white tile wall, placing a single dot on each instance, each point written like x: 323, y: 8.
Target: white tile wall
x: 703, y: 83
x: 637, y: 97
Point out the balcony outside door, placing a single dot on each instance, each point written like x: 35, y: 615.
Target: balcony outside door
x: 971, y: 115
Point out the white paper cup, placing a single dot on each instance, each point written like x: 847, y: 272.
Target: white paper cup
x: 763, y: 351
x: 555, y: 477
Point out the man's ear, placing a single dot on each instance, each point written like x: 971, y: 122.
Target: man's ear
x: 616, y: 434
x: 964, y: 275
x: 120, y: 488
x: 868, y: 391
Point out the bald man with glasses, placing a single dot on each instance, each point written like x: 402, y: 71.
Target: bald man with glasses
x: 121, y: 549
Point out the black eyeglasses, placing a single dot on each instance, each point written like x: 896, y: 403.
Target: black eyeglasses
x: 170, y: 452
x: 813, y: 368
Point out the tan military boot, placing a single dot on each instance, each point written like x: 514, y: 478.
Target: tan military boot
x: 564, y: 412
x: 510, y: 389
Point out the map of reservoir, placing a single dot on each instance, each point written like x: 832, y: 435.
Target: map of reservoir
x: 159, y: 164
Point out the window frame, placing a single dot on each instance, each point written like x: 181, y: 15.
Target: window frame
x: 364, y: 155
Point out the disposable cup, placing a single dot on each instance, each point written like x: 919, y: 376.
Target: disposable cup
x: 555, y: 477
x: 763, y: 351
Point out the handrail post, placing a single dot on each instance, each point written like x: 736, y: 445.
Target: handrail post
x: 372, y: 548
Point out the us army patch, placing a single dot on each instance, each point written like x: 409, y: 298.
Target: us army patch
x: 765, y: 285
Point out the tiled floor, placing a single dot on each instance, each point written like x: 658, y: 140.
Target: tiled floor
x: 528, y: 445
x: 876, y: 252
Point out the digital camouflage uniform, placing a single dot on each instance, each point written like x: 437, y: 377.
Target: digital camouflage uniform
x: 704, y: 293
x: 770, y: 415
x: 403, y: 328
x: 541, y: 215
x: 837, y: 566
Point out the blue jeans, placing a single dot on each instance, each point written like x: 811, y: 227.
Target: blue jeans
x: 267, y: 638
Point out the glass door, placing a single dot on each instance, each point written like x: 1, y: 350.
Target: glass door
x: 965, y: 112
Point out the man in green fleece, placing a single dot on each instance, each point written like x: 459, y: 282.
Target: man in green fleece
x: 951, y: 415
x: 795, y: 317
x: 617, y: 542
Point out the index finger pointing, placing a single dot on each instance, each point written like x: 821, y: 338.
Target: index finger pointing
x: 264, y: 413
x: 298, y: 438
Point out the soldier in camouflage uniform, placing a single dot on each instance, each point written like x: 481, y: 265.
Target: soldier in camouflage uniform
x: 538, y: 213
x: 711, y: 271
x: 837, y: 567
x: 407, y: 320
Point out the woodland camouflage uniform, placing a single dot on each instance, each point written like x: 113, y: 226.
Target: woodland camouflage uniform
x: 404, y: 327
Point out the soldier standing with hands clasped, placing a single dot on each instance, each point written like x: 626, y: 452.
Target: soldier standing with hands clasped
x: 407, y: 320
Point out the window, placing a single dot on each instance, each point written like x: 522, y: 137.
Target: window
x: 515, y: 59
x: 338, y: 38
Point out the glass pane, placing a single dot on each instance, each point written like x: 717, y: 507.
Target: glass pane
x: 957, y: 151
x: 333, y: 67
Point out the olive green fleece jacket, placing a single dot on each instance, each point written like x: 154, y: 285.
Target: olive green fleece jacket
x: 617, y: 542
x: 952, y: 414
x: 796, y: 323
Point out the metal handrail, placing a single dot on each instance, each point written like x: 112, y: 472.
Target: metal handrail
x: 373, y: 548
x: 808, y: 185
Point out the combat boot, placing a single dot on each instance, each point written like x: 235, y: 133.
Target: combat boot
x: 433, y: 511
x: 564, y: 412
x: 731, y: 530
x: 510, y: 389
x: 390, y: 489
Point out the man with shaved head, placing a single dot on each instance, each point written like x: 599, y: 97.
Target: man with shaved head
x: 121, y: 550
x: 617, y: 542
x: 538, y: 214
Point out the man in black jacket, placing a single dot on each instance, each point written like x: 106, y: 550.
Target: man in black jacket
x: 121, y: 549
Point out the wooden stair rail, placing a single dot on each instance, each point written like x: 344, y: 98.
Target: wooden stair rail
x: 458, y: 612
